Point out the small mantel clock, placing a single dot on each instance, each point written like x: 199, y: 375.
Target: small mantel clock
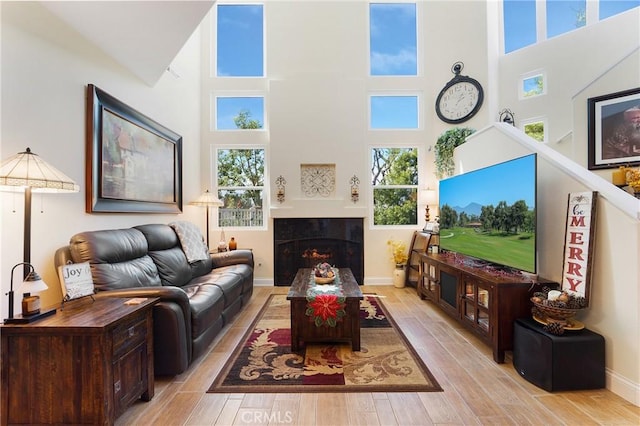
x: 460, y: 99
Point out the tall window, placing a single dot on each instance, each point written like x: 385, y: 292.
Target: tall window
x: 519, y: 22
x: 240, y: 46
x: 394, y: 112
x: 238, y: 112
x: 241, y: 187
x: 393, y: 39
x: 394, y: 178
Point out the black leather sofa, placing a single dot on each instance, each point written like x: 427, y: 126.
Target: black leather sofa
x: 197, y: 299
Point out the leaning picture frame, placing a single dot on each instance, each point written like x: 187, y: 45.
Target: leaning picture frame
x: 614, y: 130
x: 133, y: 164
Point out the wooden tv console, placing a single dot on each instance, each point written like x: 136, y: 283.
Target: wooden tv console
x: 486, y: 301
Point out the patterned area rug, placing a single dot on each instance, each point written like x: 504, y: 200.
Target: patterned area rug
x: 263, y: 361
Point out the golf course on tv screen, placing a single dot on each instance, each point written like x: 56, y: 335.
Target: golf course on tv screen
x: 490, y: 213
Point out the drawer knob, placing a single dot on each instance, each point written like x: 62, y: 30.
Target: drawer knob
x: 132, y: 331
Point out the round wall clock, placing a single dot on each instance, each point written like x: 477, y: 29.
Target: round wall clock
x: 460, y: 99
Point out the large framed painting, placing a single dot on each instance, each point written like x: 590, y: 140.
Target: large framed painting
x: 134, y: 164
x: 614, y: 130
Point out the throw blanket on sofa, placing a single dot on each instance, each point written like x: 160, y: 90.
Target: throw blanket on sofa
x: 191, y: 241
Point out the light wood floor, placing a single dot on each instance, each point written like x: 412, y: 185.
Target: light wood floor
x: 477, y: 391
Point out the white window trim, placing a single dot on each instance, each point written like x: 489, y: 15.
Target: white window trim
x: 533, y: 120
x: 213, y: 107
x: 419, y: 110
x: 370, y: 186
x: 528, y: 75
x: 266, y: 188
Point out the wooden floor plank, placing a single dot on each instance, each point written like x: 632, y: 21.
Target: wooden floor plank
x: 477, y: 391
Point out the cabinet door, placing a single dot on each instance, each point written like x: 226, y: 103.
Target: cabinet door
x: 476, y: 300
x: 429, y: 275
x: 129, y: 377
x: 448, y: 281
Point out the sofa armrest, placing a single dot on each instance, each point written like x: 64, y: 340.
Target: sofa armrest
x: 168, y: 293
x: 233, y: 257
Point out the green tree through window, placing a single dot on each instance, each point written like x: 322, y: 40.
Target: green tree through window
x: 394, y: 177
x: 241, y: 180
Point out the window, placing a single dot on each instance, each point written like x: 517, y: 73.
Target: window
x: 613, y: 7
x: 394, y: 112
x: 535, y: 128
x: 519, y: 24
x: 565, y: 15
x: 394, y: 178
x: 241, y: 187
x: 393, y: 39
x: 532, y: 84
x: 524, y: 20
x: 240, y: 47
x: 234, y: 113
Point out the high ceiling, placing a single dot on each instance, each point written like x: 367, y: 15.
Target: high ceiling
x: 143, y: 36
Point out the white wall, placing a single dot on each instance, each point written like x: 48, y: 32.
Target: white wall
x: 316, y: 92
x: 45, y: 70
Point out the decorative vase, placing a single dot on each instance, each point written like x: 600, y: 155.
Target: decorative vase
x: 399, y: 275
x: 233, y: 244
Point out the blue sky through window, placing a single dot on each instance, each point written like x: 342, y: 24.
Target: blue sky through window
x: 227, y: 108
x: 240, y: 41
x: 393, y: 39
x: 609, y: 8
x: 394, y: 112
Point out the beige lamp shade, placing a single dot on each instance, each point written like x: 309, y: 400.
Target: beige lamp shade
x: 207, y: 199
x: 429, y: 196
x: 28, y: 170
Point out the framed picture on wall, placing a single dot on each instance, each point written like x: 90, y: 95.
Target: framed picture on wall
x: 134, y: 164
x: 614, y: 130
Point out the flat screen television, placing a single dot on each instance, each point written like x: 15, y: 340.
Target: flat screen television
x: 490, y: 214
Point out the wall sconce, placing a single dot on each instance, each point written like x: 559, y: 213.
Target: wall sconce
x: 355, y: 190
x: 507, y: 116
x: 30, y: 304
x: 280, y: 184
x: 429, y: 197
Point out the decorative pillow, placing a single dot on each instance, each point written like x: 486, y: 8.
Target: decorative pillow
x: 191, y: 241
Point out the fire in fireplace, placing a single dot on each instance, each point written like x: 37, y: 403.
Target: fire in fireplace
x: 305, y: 242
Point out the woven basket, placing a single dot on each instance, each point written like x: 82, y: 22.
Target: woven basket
x: 324, y: 280
x: 555, y: 313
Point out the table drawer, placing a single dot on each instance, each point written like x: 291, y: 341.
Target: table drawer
x: 127, y: 335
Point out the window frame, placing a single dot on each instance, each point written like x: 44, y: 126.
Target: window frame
x: 418, y: 44
x: 214, y: 39
x: 371, y: 187
x: 529, y: 75
x: 213, y: 107
x: 265, y: 188
x: 419, y: 110
x: 534, y: 120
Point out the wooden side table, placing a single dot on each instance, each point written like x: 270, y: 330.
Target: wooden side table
x: 86, y: 364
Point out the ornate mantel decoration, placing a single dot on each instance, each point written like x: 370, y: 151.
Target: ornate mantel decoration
x: 318, y: 179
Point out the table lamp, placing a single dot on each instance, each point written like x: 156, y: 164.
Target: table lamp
x: 429, y: 197
x: 30, y: 302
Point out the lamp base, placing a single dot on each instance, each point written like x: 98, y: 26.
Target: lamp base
x: 26, y: 319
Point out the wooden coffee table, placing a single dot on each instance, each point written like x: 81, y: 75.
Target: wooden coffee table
x: 303, y: 329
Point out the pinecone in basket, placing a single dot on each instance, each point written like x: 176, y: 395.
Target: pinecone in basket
x: 554, y: 328
x: 577, y: 302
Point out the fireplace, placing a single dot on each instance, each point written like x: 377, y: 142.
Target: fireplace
x: 305, y: 242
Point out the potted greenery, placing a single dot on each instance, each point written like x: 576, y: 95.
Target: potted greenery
x: 445, y: 145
